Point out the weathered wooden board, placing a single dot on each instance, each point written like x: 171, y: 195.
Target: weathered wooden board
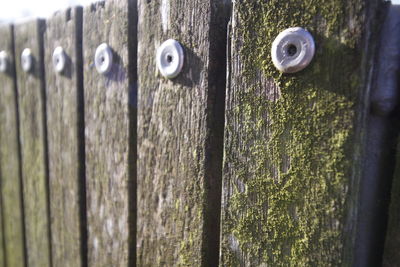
x: 382, y: 137
x: 32, y: 114
x: 293, y: 142
x: 388, y: 80
x: 109, y: 140
x: 65, y: 126
x: 10, y: 168
x: 180, y: 129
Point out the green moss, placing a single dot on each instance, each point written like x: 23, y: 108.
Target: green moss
x: 291, y: 159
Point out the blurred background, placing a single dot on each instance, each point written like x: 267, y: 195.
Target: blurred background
x: 17, y: 10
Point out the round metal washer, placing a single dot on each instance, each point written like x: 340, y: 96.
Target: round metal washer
x: 4, y: 61
x: 170, y: 58
x: 103, y: 58
x: 27, y: 60
x: 292, y: 50
x: 59, y: 59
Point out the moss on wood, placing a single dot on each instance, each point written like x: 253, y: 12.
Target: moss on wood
x: 290, y: 138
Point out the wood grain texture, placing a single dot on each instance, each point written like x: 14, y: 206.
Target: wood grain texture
x: 10, y: 168
x: 109, y: 140
x: 180, y: 128
x: 32, y: 111
x: 64, y: 93
x: 293, y: 142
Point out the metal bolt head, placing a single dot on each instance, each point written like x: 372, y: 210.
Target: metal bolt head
x: 292, y: 50
x: 59, y: 59
x: 170, y: 58
x: 27, y: 60
x: 103, y: 58
x: 4, y: 61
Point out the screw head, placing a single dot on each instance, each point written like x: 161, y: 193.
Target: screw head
x: 170, y: 58
x: 4, y: 61
x: 59, y: 59
x: 292, y: 50
x: 27, y: 60
x: 103, y: 58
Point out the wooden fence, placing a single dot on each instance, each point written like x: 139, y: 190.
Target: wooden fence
x: 231, y: 163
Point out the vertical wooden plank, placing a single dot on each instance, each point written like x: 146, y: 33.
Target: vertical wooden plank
x: 109, y: 140
x: 294, y: 141
x: 180, y: 127
x: 32, y: 111
x: 383, y: 130
x: 388, y: 80
x: 10, y: 169
x: 65, y: 126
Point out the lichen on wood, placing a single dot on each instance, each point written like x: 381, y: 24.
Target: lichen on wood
x: 290, y: 138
